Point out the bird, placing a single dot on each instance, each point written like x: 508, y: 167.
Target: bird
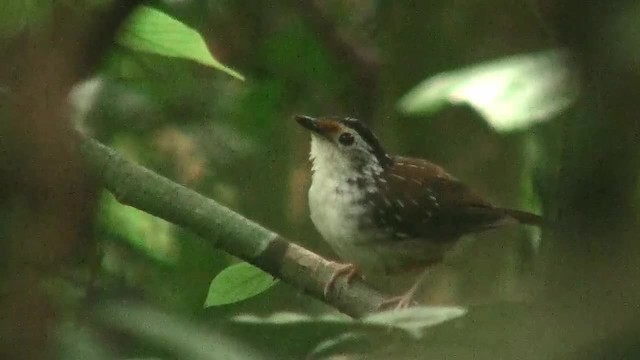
x: 386, y: 214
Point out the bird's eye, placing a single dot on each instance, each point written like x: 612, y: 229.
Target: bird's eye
x: 346, y: 139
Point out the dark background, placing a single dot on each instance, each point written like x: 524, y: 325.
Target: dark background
x: 574, y: 284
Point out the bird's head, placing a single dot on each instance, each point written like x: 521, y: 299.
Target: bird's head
x: 343, y: 143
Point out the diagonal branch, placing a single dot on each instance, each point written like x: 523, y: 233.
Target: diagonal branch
x: 142, y: 188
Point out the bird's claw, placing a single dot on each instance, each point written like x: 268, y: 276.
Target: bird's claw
x: 398, y: 302
x: 349, y: 271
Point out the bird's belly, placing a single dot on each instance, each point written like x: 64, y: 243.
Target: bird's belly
x: 347, y: 227
x: 338, y: 216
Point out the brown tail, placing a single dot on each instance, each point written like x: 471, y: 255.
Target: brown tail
x: 525, y: 218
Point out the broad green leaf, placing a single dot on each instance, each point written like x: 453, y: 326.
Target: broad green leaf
x: 412, y: 320
x: 335, y: 333
x: 153, y: 31
x: 238, y: 282
x: 511, y: 93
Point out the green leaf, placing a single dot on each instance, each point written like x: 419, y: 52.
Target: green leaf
x: 412, y: 320
x: 237, y: 282
x: 316, y: 336
x: 153, y: 31
x: 511, y: 93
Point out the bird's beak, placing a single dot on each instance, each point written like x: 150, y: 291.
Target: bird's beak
x: 324, y: 127
x: 307, y: 122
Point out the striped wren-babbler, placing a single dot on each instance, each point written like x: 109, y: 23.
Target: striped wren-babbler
x: 385, y: 214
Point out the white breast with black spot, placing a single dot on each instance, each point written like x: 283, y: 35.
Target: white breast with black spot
x: 337, y: 205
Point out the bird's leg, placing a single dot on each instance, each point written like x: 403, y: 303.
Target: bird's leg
x: 349, y: 271
x: 405, y: 300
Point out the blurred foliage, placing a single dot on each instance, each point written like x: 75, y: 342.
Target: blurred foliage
x: 164, y: 97
x: 16, y: 15
x: 148, y: 234
x: 511, y: 94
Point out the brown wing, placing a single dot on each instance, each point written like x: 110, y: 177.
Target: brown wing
x: 421, y: 200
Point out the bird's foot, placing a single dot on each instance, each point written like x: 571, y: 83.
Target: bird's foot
x: 401, y: 302
x: 398, y: 302
x: 407, y: 299
x: 349, y: 271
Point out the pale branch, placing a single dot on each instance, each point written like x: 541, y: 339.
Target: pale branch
x: 139, y: 187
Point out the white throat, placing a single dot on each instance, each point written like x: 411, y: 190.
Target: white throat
x: 330, y: 162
